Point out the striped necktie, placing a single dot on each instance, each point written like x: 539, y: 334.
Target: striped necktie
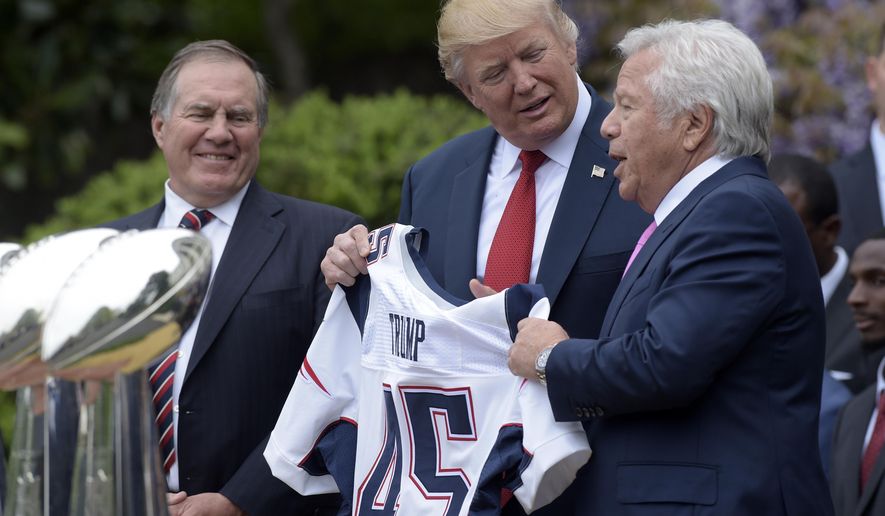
x: 162, y: 376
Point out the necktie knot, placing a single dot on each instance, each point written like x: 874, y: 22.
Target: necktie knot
x: 531, y: 160
x: 196, y: 219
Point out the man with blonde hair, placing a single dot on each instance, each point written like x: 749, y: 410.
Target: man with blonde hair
x: 531, y: 198
x: 701, y: 394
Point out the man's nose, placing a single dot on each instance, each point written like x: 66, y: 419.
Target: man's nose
x: 610, y: 129
x: 219, y: 129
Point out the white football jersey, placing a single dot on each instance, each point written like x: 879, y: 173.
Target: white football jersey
x: 406, y: 405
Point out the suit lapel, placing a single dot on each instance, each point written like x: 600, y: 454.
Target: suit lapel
x: 737, y: 167
x: 580, y: 202
x: 840, y: 321
x: 859, y: 422
x: 866, y: 196
x: 252, y: 239
x: 465, y: 207
x: 147, y: 219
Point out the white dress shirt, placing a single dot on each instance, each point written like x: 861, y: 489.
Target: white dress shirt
x: 880, y: 386
x: 504, y: 170
x: 217, y: 232
x: 829, y: 282
x: 689, y: 182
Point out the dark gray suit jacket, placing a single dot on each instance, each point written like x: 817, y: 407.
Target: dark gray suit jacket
x: 845, y: 473
x: 859, y: 202
x: 268, y: 298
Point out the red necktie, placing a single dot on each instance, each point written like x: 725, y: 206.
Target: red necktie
x: 874, y: 448
x: 643, y: 238
x: 162, y: 375
x: 510, y: 257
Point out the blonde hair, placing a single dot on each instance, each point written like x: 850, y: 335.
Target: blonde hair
x: 465, y: 23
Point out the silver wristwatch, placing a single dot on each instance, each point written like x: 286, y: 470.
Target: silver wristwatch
x: 541, y: 365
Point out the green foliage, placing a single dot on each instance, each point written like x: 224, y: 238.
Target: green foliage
x: 351, y: 154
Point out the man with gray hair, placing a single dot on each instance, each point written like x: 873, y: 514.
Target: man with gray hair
x: 220, y: 392
x: 701, y: 395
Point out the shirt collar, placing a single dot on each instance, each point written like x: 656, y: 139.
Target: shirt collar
x: 877, y: 142
x: 880, y: 381
x: 562, y: 149
x: 829, y: 282
x: 689, y: 182
x: 225, y: 212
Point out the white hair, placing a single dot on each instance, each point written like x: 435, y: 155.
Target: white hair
x: 710, y: 63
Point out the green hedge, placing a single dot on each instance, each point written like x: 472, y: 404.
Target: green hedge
x: 352, y: 154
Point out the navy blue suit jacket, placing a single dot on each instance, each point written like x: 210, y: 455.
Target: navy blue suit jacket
x: 859, y: 202
x: 591, y: 236
x: 268, y: 297
x: 702, y: 394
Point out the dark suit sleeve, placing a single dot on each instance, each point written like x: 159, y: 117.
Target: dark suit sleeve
x: 405, y: 206
x: 693, y: 309
x: 253, y: 487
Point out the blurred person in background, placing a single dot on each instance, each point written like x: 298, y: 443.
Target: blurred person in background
x: 857, y: 477
x: 860, y: 177
x: 810, y: 190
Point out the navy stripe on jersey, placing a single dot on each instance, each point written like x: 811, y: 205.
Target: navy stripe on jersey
x: 501, y: 474
x: 413, y: 239
x: 337, y: 443
x: 357, y: 296
x: 518, y: 302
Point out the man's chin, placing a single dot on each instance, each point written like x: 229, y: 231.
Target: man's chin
x: 872, y: 342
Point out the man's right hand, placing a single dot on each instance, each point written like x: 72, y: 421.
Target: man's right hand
x: 346, y: 259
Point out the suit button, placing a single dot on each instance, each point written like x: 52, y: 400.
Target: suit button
x: 587, y: 413
x: 599, y: 412
x: 578, y: 413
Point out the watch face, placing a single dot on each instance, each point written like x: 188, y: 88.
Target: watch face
x: 542, y: 359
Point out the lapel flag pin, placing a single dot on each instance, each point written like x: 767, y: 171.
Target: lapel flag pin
x: 597, y: 171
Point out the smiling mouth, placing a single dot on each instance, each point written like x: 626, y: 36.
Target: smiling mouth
x: 216, y: 157
x: 864, y: 323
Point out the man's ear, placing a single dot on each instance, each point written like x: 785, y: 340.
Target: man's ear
x: 157, y: 126
x: 699, y: 126
x: 467, y: 90
x: 831, y: 226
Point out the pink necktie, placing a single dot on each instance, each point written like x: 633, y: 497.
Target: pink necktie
x: 510, y: 256
x: 643, y: 238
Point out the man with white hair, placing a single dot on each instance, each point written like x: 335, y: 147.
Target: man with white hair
x: 701, y: 394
